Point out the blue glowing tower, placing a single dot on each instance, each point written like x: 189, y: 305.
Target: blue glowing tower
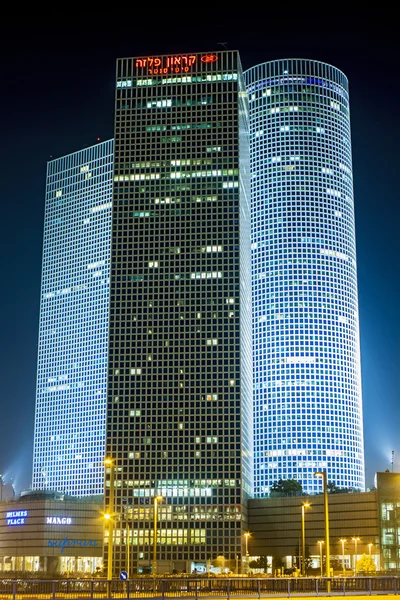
x: 307, y: 382
x: 69, y: 433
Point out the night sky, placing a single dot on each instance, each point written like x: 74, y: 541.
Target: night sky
x: 57, y: 97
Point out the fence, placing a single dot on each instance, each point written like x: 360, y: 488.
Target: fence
x: 73, y: 589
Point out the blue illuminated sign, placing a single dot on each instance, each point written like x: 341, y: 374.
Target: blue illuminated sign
x: 16, y: 517
x: 66, y: 543
x: 59, y: 520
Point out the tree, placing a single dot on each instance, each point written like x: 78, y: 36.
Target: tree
x: 260, y: 563
x: 366, y: 565
x: 287, y: 487
x: 334, y: 489
x: 335, y: 564
x: 277, y: 564
x: 219, y: 562
x: 297, y: 558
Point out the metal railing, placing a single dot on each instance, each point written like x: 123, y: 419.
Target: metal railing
x: 201, y: 587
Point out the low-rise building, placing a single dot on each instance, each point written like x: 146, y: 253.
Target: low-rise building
x: 51, y: 532
x: 276, y: 526
x: 367, y: 522
x: 54, y: 533
x: 388, y: 490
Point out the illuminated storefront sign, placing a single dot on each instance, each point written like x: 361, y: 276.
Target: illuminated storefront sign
x: 66, y: 543
x: 59, y: 521
x: 156, y: 65
x: 16, y: 517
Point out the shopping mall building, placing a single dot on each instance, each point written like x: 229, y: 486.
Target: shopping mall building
x: 50, y: 532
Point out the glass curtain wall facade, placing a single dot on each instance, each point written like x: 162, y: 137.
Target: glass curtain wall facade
x: 179, y: 409
x: 388, y: 485
x: 69, y: 436
x: 307, y: 382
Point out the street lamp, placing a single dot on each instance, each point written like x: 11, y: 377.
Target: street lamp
x: 355, y: 540
x: 157, y: 499
x: 109, y: 526
x: 320, y: 554
x: 109, y: 464
x: 326, y: 512
x: 127, y: 542
x: 343, y: 541
x: 303, y: 537
x: 246, y: 537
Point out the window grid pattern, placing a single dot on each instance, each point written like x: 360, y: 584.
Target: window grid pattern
x: 179, y: 420
x: 69, y: 434
x: 307, y: 382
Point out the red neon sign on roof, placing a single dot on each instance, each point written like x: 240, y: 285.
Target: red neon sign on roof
x: 156, y: 65
x: 209, y: 58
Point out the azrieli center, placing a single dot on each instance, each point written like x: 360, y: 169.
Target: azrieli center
x: 199, y: 306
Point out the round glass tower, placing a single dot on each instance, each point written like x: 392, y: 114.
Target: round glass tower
x: 307, y: 379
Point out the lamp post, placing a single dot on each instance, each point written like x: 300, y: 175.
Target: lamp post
x: 127, y: 544
x: 326, y: 512
x: 320, y: 554
x: 246, y: 537
x: 110, y: 528
x: 343, y: 541
x: 303, y: 537
x: 370, y: 551
x: 355, y: 540
x: 157, y: 499
x: 109, y: 464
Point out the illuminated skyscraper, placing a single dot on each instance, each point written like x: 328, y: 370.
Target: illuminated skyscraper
x: 70, y: 413
x: 307, y: 382
x: 179, y: 409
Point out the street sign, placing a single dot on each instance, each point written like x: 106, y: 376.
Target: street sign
x: 123, y: 576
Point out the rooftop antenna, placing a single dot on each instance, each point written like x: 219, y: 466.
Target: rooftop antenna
x: 224, y: 44
x: 392, y: 459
